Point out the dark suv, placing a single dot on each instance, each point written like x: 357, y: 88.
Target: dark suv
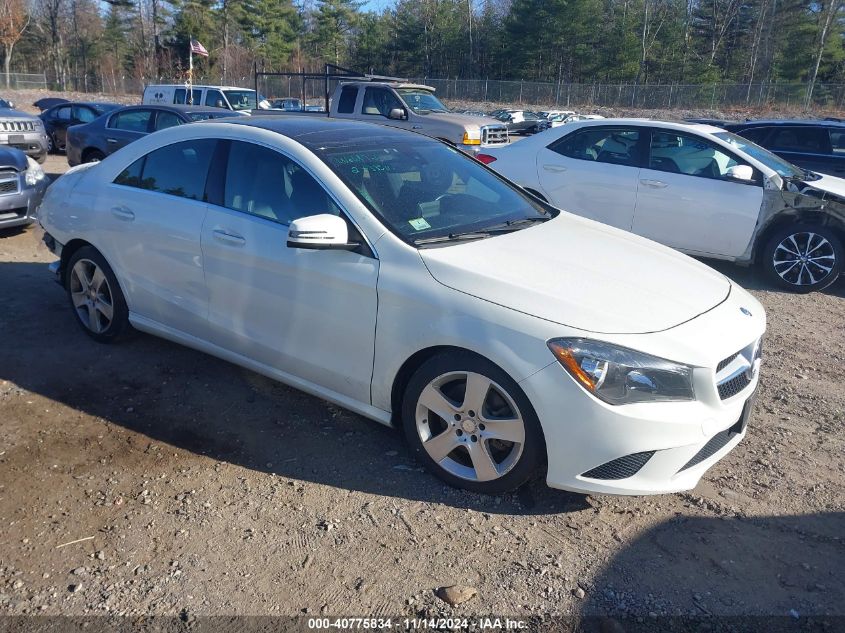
x: 814, y: 145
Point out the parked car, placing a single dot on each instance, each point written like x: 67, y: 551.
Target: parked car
x: 408, y: 106
x: 22, y: 131
x: 696, y: 188
x: 94, y: 141
x: 22, y: 185
x: 522, y: 121
x: 314, y: 107
x: 59, y: 118
x: 814, y: 145
x: 45, y: 103
x: 396, y: 276
x: 290, y: 104
x: 229, y: 97
x: 555, y: 114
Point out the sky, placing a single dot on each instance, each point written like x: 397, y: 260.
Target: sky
x: 376, y: 5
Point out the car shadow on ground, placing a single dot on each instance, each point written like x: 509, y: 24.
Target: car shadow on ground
x: 780, y: 570
x: 198, y: 403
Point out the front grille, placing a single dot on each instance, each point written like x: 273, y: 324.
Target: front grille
x: 733, y: 386
x: 9, y: 182
x: 620, y: 468
x: 17, y: 126
x: 726, y: 362
x: 494, y: 135
x: 714, y: 445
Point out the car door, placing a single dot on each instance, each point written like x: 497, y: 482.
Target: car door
x: 837, y: 144
x: 308, y: 313
x: 593, y: 172
x: 686, y: 199
x: 152, y: 217
x: 60, y: 121
x: 377, y: 104
x: 126, y: 126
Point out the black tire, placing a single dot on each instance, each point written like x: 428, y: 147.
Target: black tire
x: 41, y: 158
x: 51, y: 143
x: 518, y: 460
x: 92, y: 156
x: 786, y: 263
x: 98, y: 326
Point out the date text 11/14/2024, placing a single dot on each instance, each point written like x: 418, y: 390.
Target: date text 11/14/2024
x: 434, y: 624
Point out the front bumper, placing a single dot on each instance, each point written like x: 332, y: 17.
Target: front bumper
x: 19, y: 209
x: 33, y: 144
x: 635, y: 449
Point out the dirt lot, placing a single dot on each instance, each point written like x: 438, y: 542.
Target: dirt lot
x: 194, y: 487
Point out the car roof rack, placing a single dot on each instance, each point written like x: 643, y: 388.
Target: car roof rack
x: 331, y: 72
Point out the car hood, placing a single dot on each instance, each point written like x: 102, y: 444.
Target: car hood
x: 828, y: 184
x: 466, y: 120
x: 582, y: 274
x: 9, y: 113
x: 12, y: 157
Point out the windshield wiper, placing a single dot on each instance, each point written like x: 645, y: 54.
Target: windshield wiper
x: 454, y: 237
x: 514, y: 225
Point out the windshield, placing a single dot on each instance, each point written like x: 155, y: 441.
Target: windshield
x: 424, y: 190
x: 421, y: 101
x: 105, y: 107
x: 241, y: 99
x: 783, y: 168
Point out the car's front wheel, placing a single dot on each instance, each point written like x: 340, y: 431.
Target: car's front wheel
x: 92, y: 156
x: 803, y: 257
x: 95, y: 296
x: 471, y: 425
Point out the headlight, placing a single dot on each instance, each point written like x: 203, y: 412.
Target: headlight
x: 619, y: 375
x: 34, y: 173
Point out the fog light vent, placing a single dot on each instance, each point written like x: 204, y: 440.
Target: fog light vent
x: 621, y: 467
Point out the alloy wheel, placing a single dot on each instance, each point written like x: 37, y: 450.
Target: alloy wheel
x: 91, y: 296
x: 804, y: 258
x: 470, y: 426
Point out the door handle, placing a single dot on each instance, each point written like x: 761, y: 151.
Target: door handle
x: 554, y: 168
x: 122, y: 212
x: 228, y: 238
x: 654, y: 184
x: 111, y: 140
x: 416, y: 127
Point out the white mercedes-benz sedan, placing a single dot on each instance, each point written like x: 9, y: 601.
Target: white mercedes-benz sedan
x: 393, y: 275
x: 696, y: 188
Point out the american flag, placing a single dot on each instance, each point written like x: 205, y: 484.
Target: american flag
x: 198, y: 49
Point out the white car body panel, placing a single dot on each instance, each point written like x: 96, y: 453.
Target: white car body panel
x: 701, y: 216
x: 340, y: 325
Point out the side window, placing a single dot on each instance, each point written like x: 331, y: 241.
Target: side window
x: 179, y: 95
x: 617, y: 146
x: 837, y: 140
x: 689, y: 155
x: 757, y: 135
x: 379, y: 101
x: 801, y: 139
x: 180, y: 169
x: 131, y: 176
x: 165, y: 120
x: 131, y: 121
x: 214, y: 98
x: 262, y: 182
x: 84, y: 114
x: 346, y: 102
x: 63, y: 113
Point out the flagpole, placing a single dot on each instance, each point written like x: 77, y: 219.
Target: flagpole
x: 190, y: 99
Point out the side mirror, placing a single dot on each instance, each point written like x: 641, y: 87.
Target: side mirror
x: 740, y: 172
x: 320, y: 232
x: 398, y: 114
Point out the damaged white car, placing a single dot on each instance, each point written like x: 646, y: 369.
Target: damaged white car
x: 696, y: 188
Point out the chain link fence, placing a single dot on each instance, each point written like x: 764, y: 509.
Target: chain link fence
x: 23, y: 81
x: 646, y: 96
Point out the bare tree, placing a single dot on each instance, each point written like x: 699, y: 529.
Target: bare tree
x: 14, y: 19
x: 833, y: 7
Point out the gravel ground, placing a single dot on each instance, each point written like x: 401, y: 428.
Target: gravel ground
x: 148, y: 479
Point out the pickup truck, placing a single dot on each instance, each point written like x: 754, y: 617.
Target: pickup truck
x: 411, y: 107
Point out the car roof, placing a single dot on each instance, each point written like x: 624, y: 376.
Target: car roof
x: 315, y: 131
x: 789, y: 122
x: 197, y: 86
x: 176, y: 107
x: 669, y: 125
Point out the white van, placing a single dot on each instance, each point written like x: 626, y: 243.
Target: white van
x: 229, y: 97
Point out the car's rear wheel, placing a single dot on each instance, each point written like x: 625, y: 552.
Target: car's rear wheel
x: 803, y: 257
x: 471, y: 425
x: 95, y: 296
x: 92, y: 156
